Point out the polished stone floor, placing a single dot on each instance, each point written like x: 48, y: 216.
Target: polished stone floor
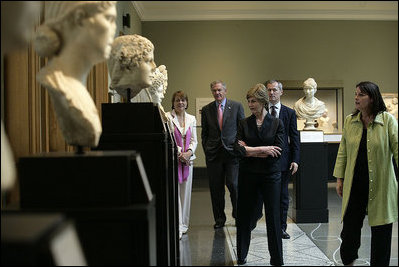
x: 313, y: 244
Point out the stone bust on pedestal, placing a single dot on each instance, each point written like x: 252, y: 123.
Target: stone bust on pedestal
x: 75, y: 35
x: 309, y: 107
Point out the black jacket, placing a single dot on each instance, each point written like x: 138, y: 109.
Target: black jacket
x: 270, y: 134
x: 291, y: 138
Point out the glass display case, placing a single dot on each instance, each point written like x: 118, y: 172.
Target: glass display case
x: 330, y: 92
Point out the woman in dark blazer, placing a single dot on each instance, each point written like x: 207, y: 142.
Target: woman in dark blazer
x: 259, y: 141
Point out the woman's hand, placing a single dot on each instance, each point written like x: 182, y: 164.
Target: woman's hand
x: 184, y: 157
x: 273, y: 151
x: 262, y: 151
x: 242, y: 143
x: 339, y: 186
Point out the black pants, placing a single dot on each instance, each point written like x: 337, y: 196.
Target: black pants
x: 249, y: 187
x: 284, y: 203
x: 381, y: 236
x: 223, y: 170
x: 284, y: 198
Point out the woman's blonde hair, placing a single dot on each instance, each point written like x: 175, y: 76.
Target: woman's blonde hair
x: 259, y: 92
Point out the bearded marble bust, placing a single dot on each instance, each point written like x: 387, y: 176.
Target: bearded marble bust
x: 309, y: 107
x: 75, y: 36
x: 131, y: 64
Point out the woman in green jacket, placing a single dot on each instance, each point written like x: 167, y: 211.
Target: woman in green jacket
x: 365, y: 175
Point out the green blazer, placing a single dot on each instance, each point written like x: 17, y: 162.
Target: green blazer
x: 382, y: 143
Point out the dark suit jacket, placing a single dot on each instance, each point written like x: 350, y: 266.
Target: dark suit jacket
x: 291, y: 138
x: 271, y: 134
x: 212, y: 138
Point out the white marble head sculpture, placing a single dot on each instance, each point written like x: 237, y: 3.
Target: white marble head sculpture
x: 75, y: 36
x: 159, y: 84
x: 156, y: 92
x: 131, y: 64
x: 309, y: 107
x: 309, y: 87
x: 17, y: 26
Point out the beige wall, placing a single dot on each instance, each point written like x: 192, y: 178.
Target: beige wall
x: 243, y: 53
x: 123, y: 7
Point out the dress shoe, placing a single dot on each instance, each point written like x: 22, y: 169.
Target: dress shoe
x: 242, y: 262
x: 285, y: 235
x: 218, y: 225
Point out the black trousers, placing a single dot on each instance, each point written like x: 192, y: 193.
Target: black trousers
x: 223, y: 170
x: 249, y: 187
x: 381, y: 236
x: 284, y: 203
x: 284, y: 198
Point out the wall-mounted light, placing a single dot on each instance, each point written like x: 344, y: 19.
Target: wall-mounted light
x: 126, y: 20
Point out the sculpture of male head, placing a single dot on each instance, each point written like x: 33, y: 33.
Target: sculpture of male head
x: 131, y: 64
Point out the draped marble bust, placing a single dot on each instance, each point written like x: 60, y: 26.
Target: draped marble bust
x: 75, y: 36
x: 309, y: 107
x: 131, y: 64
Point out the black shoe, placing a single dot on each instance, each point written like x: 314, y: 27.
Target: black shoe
x: 218, y: 225
x: 285, y: 235
x: 242, y: 262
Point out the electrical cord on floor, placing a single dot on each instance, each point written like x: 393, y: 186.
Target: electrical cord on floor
x: 334, y: 238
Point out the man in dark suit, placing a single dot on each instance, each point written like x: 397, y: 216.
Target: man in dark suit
x: 290, y: 154
x: 219, y: 121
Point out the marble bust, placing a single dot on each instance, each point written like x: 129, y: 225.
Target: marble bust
x: 131, y: 64
x: 17, y: 25
x: 325, y: 123
x: 156, y: 92
x: 309, y: 107
x: 393, y: 107
x: 159, y: 85
x: 75, y: 35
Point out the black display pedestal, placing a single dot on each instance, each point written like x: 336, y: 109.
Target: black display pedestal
x: 139, y: 126
x: 332, y: 156
x: 93, y: 179
x: 105, y: 193
x: 310, y: 196
x: 31, y: 239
